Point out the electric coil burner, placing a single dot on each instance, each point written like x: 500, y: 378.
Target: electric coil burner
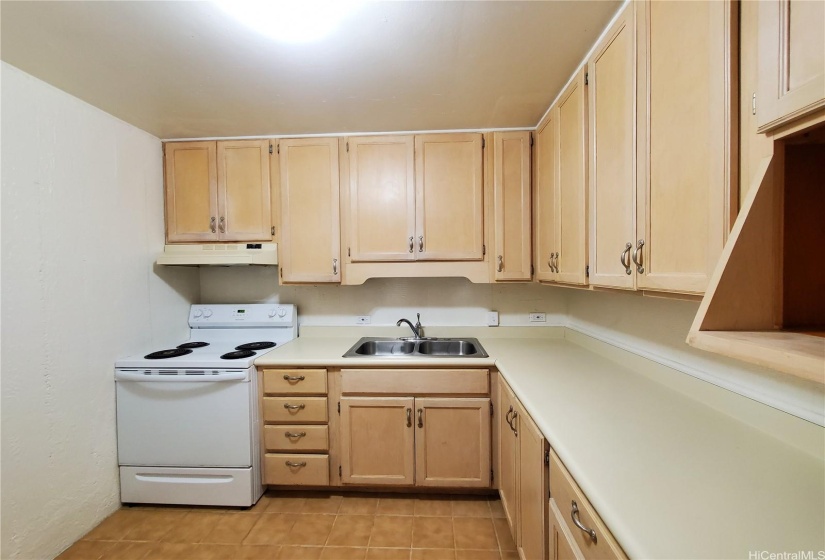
x: 188, y: 428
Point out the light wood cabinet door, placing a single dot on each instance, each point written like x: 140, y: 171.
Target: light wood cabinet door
x: 310, y: 248
x: 508, y: 455
x: 511, y: 196
x: 684, y: 178
x: 791, y: 61
x: 452, y: 442
x: 191, y: 192
x: 381, y: 198
x: 612, y: 155
x: 544, y: 197
x: 377, y: 441
x: 243, y: 191
x: 532, y: 489
x: 449, y: 193
x: 571, y: 188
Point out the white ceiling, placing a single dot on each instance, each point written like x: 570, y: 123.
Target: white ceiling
x: 187, y: 70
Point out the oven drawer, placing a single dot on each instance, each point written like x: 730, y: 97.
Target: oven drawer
x: 296, y: 438
x: 295, y: 410
x: 565, y: 491
x: 295, y: 381
x: 293, y: 469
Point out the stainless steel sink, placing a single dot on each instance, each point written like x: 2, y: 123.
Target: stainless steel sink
x: 427, y: 348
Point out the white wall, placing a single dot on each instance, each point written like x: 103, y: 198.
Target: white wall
x: 82, y: 219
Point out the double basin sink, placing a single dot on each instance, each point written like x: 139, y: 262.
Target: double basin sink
x: 425, y: 347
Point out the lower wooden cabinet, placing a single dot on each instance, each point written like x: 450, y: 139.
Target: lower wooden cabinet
x: 405, y: 441
x: 289, y: 469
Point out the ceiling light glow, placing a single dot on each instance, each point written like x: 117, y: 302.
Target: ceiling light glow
x: 291, y: 21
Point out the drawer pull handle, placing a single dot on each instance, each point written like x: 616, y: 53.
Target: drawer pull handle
x: 409, y: 418
x: 637, y: 257
x: 574, y: 514
x: 500, y: 266
x: 295, y: 435
x: 293, y: 464
x: 420, y: 417
x: 625, y: 258
x: 294, y: 406
x: 507, y: 416
x: 294, y: 378
x: 512, y: 426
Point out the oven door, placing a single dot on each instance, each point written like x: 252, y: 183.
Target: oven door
x: 185, y: 421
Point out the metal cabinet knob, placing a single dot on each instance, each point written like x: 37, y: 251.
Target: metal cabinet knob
x: 212, y: 224
x: 637, y: 256
x: 222, y: 224
x: 500, y: 266
x: 420, y: 243
x: 574, y: 514
x: 411, y: 244
x: 335, y: 266
x: 624, y: 258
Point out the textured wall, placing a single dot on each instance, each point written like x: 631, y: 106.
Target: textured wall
x: 82, y: 220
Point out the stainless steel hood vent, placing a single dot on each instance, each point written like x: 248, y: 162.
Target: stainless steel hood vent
x: 220, y: 254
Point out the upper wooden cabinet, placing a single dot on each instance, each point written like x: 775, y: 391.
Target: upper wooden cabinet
x: 511, y: 203
x: 544, y: 198
x: 791, y: 61
x: 310, y: 220
x: 449, y: 197
x: 217, y: 191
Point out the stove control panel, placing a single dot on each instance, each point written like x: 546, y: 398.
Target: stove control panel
x: 251, y: 315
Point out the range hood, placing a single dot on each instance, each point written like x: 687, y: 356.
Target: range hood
x: 223, y: 254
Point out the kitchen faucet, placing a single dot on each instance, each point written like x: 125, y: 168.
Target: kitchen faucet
x: 416, y: 329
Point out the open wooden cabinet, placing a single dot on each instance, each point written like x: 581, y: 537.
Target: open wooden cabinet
x: 766, y: 300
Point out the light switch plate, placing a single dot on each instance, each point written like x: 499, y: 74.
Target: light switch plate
x: 538, y: 318
x: 362, y: 320
x: 492, y: 318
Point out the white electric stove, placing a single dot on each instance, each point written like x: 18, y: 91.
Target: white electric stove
x: 187, y: 416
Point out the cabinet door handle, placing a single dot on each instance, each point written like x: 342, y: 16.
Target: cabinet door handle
x: 420, y: 417
x: 293, y: 464
x: 500, y: 266
x: 512, y: 420
x: 420, y: 243
x: 637, y: 257
x: 295, y: 378
x: 625, y: 258
x: 507, y: 417
x: 409, y: 418
x: 212, y: 224
x: 550, y: 262
x: 335, y: 266
x: 294, y: 406
x: 574, y: 514
x: 289, y: 435
x: 222, y: 224
x: 411, y: 244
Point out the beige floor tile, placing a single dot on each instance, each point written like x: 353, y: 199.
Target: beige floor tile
x: 433, y: 506
x: 351, y: 530
x: 155, y: 524
x: 396, y: 506
x: 433, y: 532
x: 496, y: 509
x: 216, y: 551
x: 465, y: 554
x: 171, y: 551
x: 261, y: 505
x: 310, y: 530
x: 388, y: 554
x: 300, y: 552
x: 258, y: 552
x: 505, y: 537
x: 271, y: 528
x: 359, y: 504
x: 285, y: 504
x: 471, y: 507
x: 475, y: 533
x: 343, y: 553
x: 116, y: 525
x: 322, y: 504
x: 128, y: 550
x: 433, y: 554
x: 233, y: 528
x: 392, y: 531
x: 193, y: 528
x: 86, y: 550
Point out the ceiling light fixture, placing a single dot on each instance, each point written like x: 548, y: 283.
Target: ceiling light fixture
x: 291, y: 21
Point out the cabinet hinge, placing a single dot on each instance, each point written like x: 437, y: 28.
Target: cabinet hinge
x: 753, y: 104
x: 339, y: 407
x: 483, y: 143
x: 349, y: 252
x: 270, y: 147
x: 491, y: 409
x: 532, y: 270
x: 547, y: 457
x: 483, y: 250
x: 347, y: 146
x: 340, y: 472
x: 587, y: 78
x: 278, y: 148
x: 273, y: 227
x: 587, y: 271
x: 492, y: 477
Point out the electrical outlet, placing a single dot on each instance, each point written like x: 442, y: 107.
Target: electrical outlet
x: 492, y: 318
x: 362, y: 320
x: 538, y: 318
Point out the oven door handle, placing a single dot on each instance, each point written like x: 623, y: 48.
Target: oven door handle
x: 137, y: 375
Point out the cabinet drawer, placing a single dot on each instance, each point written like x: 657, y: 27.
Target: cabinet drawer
x: 295, y: 410
x: 294, y: 438
x: 415, y: 381
x: 295, y: 381
x: 562, y: 545
x: 294, y: 469
x: 565, y: 491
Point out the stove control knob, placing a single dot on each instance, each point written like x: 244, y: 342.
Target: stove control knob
x: 198, y: 313
x: 207, y: 313
x: 272, y: 312
x: 281, y: 312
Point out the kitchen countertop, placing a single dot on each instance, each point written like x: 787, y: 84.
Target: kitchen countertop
x: 676, y: 468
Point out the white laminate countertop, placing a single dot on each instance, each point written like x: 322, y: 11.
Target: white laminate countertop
x: 671, y: 475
